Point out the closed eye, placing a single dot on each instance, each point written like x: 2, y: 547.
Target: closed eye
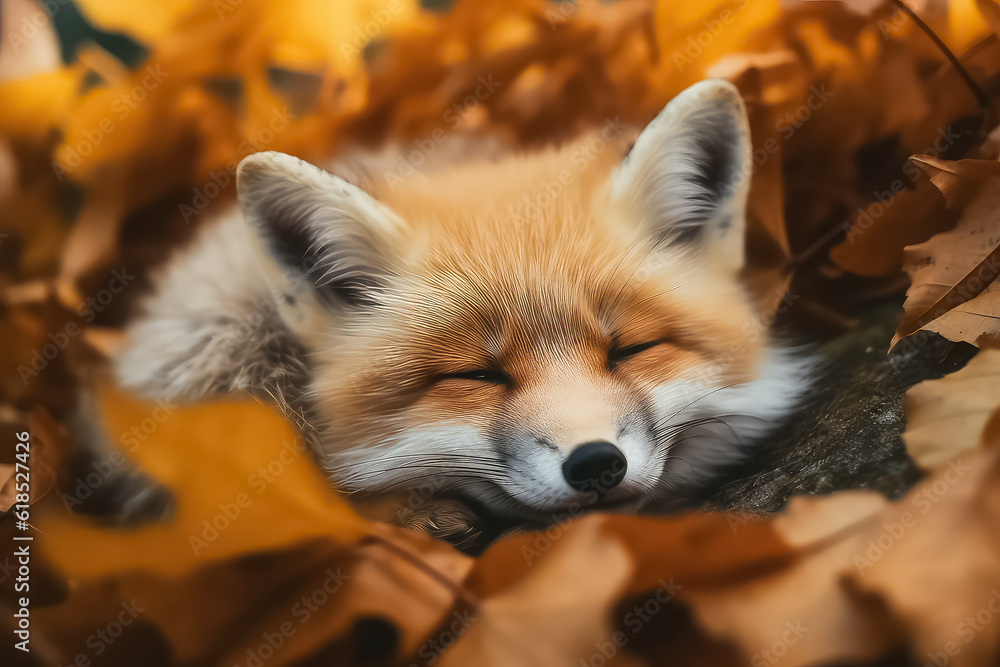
x: 617, y: 355
x: 479, y: 375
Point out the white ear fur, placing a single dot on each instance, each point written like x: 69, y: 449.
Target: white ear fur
x: 334, y: 233
x: 688, y: 174
x: 231, y: 312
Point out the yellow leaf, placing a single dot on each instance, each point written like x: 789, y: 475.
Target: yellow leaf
x: 233, y: 468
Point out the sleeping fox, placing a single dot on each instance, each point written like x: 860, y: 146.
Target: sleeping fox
x: 456, y: 359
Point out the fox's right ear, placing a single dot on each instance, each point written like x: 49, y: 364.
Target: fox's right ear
x: 333, y: 233
x: 687, y: 176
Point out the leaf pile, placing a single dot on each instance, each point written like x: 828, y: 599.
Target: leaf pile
x: 116, y: 146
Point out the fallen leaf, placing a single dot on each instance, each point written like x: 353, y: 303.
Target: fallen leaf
x: 222, y: 493
x: 956, y: 266
x: 947, y: 416
x: 880, y: 231
x: 7, y: 492
x: 556, y: 613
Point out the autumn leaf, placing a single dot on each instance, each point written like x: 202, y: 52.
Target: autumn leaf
x: 7, y: 492
x: 947, y: 416
x: 222, y: 494
x: 554, y: 613
x: 953, y: 268
x: 315, y: 547
x: 880, y: 231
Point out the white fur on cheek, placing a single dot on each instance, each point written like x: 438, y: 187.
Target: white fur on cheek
x: 736, y: 419
x: 413, y: 454
x: 746, y: 411
x: 783, y: 378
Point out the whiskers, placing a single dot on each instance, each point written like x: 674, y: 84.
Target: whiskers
x: 666, y: 430
x: 392, y: 472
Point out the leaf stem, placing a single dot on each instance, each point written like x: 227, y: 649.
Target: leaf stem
x: 460, y: 591
x: 982, y: 99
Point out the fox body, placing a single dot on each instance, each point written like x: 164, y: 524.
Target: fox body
x: 504, y: 342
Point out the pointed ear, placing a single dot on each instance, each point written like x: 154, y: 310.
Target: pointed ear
x: 340, y: 238
x: 688, y: 174
x: 224, y: 317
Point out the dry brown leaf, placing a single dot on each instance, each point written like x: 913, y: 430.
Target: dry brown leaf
x: 796, y: 601
x: 991, y: 431
x: 864, y: 7
x: 991, y: 12
x: 92, y: 245
x: 268, y: 480
x: 318, y: 598
x: 556, y: 613
x: 880, y: 231
x: 947, y: 416
x: 7, y: 486
x: 765, y: 206
x: 880, y: 575
x: 956, y: 266
x: 237, y: 584
x: 936, y: 562
x: 748, y: 584
x: 832, y: 579
x: 741, y: 579
x: 41, y: 344
x: 976, y: 321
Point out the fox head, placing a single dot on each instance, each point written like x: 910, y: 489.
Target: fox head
x: 514, y: 340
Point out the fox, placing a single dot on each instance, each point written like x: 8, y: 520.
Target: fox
x: 497, y: 344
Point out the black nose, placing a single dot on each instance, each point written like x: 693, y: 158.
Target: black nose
x: 595, y: 466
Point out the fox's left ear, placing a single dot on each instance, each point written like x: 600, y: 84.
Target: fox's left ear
x: 688, y: 174
x: 319, y: 225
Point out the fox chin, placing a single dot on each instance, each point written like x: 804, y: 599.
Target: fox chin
x: 499, y: 344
